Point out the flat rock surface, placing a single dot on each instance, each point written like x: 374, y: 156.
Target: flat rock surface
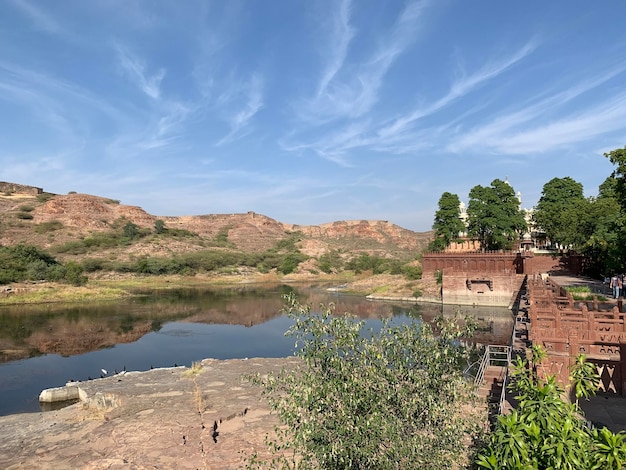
x: 205, y: 417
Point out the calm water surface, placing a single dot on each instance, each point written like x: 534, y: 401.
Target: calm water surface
x: 45, y: 346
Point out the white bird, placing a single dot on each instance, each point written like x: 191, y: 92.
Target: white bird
x: 104, y: 371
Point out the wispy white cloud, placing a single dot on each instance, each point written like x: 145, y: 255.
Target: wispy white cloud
x: 135, y: 69
x: 164, y: 129
x: 458, y: 89
x: 518, y: 132
x: 240, y: 114
x: 341, y: 35
x: 607, y: 117
x: 349, y: 90
x: 41, y: 20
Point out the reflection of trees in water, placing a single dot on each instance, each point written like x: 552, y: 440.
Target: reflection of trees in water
x: 31, y: 330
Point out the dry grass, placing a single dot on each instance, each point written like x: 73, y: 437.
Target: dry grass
x: 195, y: 370
x: 51, y: 292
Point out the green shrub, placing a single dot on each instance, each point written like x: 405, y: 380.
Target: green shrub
x: 24, y: 216
x: 412, y: 272
x: 131, y: 230
x: 221, y: 239
x: 74, y: 274
x: 329, y: 262
x: 159, y: 226
x: 93, y: 264
x: 364, y: 399
x: 46, y: 227
x: 291, y: 262
x: 43, y: 197
x: 27, y: 208
x: 545, y: 431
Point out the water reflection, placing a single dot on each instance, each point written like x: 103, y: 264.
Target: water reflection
x: 45, y: 346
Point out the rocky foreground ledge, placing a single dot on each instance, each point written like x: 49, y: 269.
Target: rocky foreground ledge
x: 204, y: 417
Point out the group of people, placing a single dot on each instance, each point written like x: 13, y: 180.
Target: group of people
x: 617, y: 283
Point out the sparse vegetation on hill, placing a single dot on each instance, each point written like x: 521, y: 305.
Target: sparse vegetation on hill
x: 100, y: 234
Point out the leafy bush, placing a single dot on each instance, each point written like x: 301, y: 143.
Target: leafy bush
x: 288, y: 243
x: 28, y: 263
x: 291, y: 262
x: 74, y: 274
x: 546, y: 432
x: 412, y: 272
x: 50, y: 226
x: 97, y: 241
x: 221, y: 239
x: 24, y: 216
x: 387, y: 399
x: 130, y: 230
x: 329, y: 262
x: 159, y: 226
x: 43, y: 197
x: 27, y: 208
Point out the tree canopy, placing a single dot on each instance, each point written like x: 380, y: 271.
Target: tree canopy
x: 559, y: 209
x: 364, y: 399
x: 494, y: 215
x: 448, y: 223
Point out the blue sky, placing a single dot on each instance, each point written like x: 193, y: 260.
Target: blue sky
x: 309, y: 111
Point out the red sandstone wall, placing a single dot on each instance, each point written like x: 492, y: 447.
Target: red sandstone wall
x: 467, y: 289
x: 542, y: 264
x: 492, y: 262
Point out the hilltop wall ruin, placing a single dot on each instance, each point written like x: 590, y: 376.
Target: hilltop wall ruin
x: 12, y: 188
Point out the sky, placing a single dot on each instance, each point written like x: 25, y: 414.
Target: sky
x: 309, y: 111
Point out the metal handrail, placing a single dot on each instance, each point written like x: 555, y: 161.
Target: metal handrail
x: 505, y: 380
x: 495, y: 354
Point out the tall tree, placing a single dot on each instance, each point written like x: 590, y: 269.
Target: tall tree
x: 448, y: 224
x: 561, y: 204
x: 494, y: 215
x: 615, y: 186
x: 618, y: 158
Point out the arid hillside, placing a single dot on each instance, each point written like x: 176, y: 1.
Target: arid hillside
x: 54, y: 221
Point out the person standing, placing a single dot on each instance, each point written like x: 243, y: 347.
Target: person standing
x: 615, y: 285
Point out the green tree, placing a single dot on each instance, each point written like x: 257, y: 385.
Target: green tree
x: 545, y: 432
x: 604, y: 225
x: 159, y: 226
x: 616, y: 186
x: 494, y: 215
x: 131, y: 230
x: 362, y: 399
x: 618, y: 157
x: 448, y: 224
x: 560, y: 208
x: 74, y: 274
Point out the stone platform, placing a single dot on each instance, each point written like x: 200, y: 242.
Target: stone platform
x: 204, y: 417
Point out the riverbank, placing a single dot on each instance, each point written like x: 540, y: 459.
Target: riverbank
x: 113, y: 286
x: 206, y: 416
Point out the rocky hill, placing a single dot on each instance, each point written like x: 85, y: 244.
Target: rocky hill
x: 49, y: 221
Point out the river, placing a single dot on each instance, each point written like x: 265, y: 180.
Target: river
x: 45, y: 346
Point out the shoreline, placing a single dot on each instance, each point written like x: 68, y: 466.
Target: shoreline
x: 116, y: 287
x: 204, y: 416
